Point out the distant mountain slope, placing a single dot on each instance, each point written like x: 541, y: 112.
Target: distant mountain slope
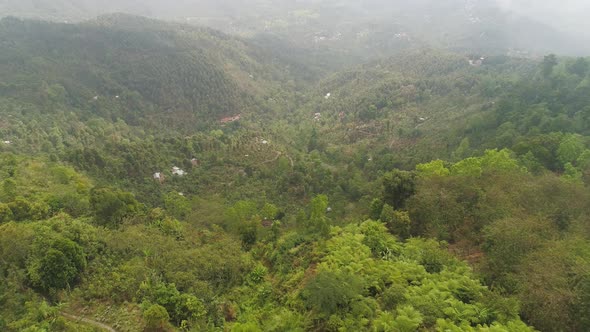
x: 124, y: 97
x: 398, y: 110
x: 147, y: 68
x: 368, y: 28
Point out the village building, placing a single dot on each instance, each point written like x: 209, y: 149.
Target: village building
x: 158, y: 176
x: 230, y: 119
x: 177, y: 171
x: 318, y: 39
x: 402, y: 36
x: 476, y: 62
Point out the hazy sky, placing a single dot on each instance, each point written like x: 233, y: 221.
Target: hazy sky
x: 566, y: 15
x: 572, y: 15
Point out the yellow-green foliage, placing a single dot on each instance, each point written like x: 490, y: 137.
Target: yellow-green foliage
x: 361, y: 278
x: 34, y: 189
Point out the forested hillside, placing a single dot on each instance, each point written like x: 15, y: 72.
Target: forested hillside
x: 164, y: 177
x: 408, y: 102
x: 96, y: 251
x: 148, y: 69
x: 125, y: 97
x: 367, y: 29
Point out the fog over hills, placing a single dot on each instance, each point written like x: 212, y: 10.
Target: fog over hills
x: 568, y: 15
x: 499, y: 26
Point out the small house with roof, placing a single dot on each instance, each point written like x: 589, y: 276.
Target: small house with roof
x: 158, y: 176
x: 231, y: 119
x: 177, y: 171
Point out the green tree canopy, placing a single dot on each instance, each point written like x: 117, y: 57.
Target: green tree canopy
x: 110, y: 206
x: 398, y: 186
x: 58, y: 266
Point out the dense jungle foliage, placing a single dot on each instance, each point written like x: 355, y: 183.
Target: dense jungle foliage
x: 413, y: 193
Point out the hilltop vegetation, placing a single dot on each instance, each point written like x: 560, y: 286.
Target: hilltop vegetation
x: 415, y: 192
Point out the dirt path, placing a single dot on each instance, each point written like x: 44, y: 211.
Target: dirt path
x: 274, y: 159
x: 279, y: 154
x: 79, y: 319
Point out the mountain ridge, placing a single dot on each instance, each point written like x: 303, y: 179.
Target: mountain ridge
x: 457, y: 25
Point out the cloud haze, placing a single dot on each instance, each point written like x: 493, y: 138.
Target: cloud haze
x: 567, y: 15
x: 570, y: 17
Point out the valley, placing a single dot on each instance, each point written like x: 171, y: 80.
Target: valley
x: 166, y: 176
